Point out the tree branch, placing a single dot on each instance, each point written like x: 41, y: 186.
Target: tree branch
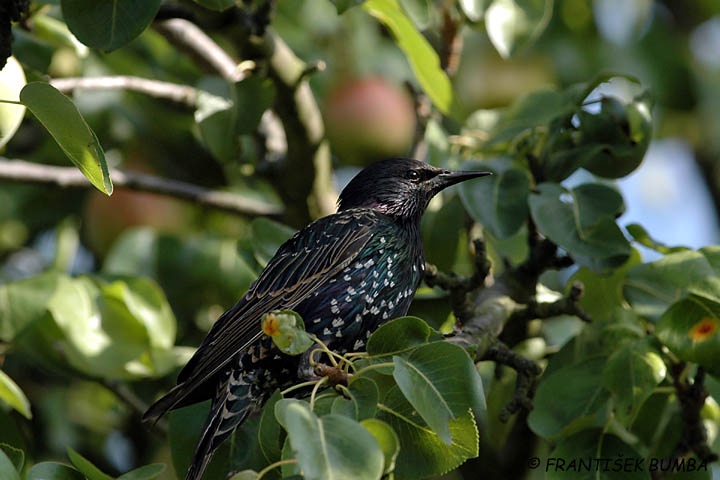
x: 192, y: 40
x: 66, y: 177
x: 178, y: 93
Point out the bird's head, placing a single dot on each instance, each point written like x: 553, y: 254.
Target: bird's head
x: 399, y: 187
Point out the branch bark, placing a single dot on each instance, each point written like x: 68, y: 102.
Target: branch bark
x: 174, y: 92
x: 71, y: 177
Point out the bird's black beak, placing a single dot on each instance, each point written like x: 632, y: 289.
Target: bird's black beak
x: 448, y: 178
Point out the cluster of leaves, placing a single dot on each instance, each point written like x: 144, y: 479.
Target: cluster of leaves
x: 12, y: 464
x: 414, y: 403
x: 408, y: 410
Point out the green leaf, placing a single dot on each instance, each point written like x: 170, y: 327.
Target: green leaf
x: 641, y: 236
x: 690, y: 328
x: 423, y: 58
x: 582, y: 221
x: 652, y: 287
x: 594, y: 444
x: 332, y: 447
x: 418, y: 11
x: 270, y: 436
x: 400, y: 335
x: 146, y: 472
x: 252, y: 97
x: 422, y: 452
x: 245, y: 475
x: 67, y: 126
x: 217, y: 5
x: 344, y: 5
x: 500, y: 201
x: 568, y: 395
x: 631, y: 374
x: 108, y: 24
x: 25, y: 301
x: 13, y: 396
x: 12, y: 81
x: 53, y: 471
x: 15, y: 455
x: 474, y: 10
x: 441, y: 383
x: 514, y: 24
x: 386, y: 438
x: 7, y: 468
x: 362, y: 404
x: 287, y: 330
x: 86, y: 467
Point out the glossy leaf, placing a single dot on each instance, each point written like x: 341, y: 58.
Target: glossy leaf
x: 690, y: 328
x: 108, y: 24
x: 582, y: 221
x: 12, y: 395
x: 441, y: 383
x: 568, y: 395
x: 652, y: 287
x: 513, y: 24
x: 359, y: 400
x: 422, y: 452
x: 386, y: 438
x: 631, y: 374
x: 329, y: 447
x: 400, y: 335
x: 12, y: 80
x: 7, y: 469
x: 67, y: 126
x: 498, y: 202
x: 422, y: 57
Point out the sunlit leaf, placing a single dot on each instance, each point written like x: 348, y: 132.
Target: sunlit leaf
x: 67, y: 126
x: 12, y: 80
x: 423, y: 58
x: 12, y: 395
x: 513, y: 24
x: 422, y: 452
x: 386, y: 438
x: 652, y: 287
x: 332, y: 446
x: 146, y: 472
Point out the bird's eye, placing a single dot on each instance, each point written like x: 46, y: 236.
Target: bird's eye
x: 413, y: 176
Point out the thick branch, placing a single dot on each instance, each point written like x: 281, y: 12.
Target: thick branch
x: 166, y: 90
x: 26, y: 172
x: 203, y: 49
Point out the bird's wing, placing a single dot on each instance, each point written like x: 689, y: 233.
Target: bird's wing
x: 302, y: 265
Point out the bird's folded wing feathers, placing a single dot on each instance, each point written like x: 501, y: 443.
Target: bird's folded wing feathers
x: 302, y: 265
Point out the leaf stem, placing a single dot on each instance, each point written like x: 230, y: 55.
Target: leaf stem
x: 273, y: 466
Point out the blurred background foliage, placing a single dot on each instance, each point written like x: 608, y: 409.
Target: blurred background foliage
x: 197, y: 261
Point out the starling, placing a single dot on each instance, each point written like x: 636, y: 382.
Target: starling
x: 345, y: 274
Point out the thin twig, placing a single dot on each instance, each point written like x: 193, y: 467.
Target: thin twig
x: 67, y: 177
x: 178, y: 93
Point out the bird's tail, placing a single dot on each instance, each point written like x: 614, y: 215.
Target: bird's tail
x: 235, y: 400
